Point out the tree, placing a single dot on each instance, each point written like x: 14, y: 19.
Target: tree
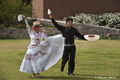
x: 26, y: 1
x: 10, y: 9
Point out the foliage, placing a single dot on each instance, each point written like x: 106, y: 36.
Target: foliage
x: 107, y: 19
x: 10, y: 9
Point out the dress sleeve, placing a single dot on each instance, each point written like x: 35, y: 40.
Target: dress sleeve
x: 28, y: 27
x: 44, y: 40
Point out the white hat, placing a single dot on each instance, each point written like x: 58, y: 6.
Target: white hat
x: 91, y: 37
x: 37, y: 23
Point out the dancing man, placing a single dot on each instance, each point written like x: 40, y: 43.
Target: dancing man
x: 68, y: 32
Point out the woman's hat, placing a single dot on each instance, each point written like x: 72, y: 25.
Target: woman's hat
x: 37, y: 23
x: 91, y: 37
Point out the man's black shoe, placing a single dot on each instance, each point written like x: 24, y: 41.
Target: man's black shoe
x: 70, y: 74
x: 62, y: 68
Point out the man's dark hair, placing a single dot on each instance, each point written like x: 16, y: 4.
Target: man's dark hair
x: 69, y: 19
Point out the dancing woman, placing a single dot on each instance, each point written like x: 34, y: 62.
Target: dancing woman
x: 43, y: 51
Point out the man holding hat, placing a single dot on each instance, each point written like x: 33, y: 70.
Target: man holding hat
x: 68, y: 32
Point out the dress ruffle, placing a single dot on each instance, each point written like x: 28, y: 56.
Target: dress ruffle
x: 41, y: 58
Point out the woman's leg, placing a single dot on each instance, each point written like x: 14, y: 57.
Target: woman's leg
x: 38, y: 74
x: 34, y: 76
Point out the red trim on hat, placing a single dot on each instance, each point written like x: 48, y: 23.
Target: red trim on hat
x: 33, y: 27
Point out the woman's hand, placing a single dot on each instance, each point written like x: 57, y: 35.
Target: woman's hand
x: 23, y: 16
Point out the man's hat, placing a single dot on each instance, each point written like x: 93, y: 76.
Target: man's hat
x: 91, y: 37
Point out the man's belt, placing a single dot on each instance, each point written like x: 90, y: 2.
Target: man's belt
x: 69, y: 44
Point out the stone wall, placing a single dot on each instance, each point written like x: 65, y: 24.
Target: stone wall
x: 85, y: 28
x: 13, y: 33
x: 16, y: 33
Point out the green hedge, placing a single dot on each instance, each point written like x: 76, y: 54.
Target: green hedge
x: 107, y: 19
x: 9, y: 11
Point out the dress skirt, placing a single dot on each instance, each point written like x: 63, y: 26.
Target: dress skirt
x: 40, y: 58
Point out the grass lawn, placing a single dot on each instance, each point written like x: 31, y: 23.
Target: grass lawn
x: 94, y: 61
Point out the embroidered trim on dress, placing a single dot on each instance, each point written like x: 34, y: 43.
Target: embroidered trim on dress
x: 34, y: 56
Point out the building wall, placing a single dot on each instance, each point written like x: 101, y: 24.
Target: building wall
x: 37, y: 9
x: 64, y: 8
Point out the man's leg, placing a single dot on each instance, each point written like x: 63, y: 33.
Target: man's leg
x: 72, y: 60
x: 65, y: 58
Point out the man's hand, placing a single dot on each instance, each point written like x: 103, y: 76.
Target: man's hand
x: 50, y: 15
x: 108, y: 35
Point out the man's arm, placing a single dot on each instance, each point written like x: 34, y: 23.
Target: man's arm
x: 79, y: 35
x: 59, y: 27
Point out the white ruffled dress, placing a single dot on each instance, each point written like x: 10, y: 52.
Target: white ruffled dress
x: 43, y: 51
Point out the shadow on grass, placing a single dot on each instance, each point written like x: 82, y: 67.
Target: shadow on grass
x: 2, y: 79
x: 79, y: 77
x: 66, y: 77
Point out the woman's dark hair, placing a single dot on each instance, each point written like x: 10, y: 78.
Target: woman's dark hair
x: 69, y: 19
x: 39, y: 25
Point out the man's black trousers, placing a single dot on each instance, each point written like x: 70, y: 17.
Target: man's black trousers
x: 69, y: 54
